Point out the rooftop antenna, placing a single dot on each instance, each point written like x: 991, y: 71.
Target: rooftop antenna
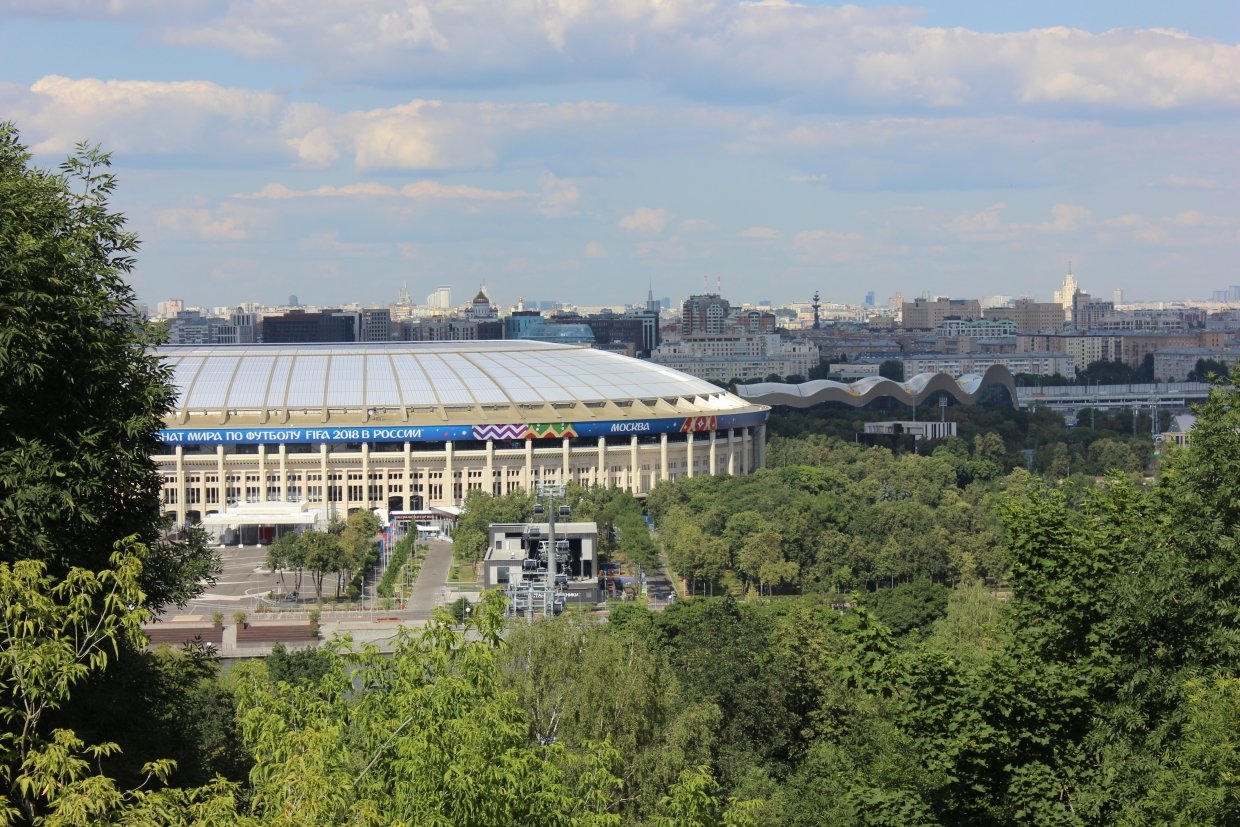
x: 705, y: 283
x: 718, y: 285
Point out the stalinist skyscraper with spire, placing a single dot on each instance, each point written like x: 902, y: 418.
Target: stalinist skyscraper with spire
x: 1064, y: 296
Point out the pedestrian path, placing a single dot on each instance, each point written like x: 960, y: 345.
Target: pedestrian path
x: 428, y: 589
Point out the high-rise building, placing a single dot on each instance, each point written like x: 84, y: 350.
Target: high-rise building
x: 1029, y: 315
x: 869, y: 298
x: 376, y: 325
x: 169, y: 309
x: 1087, y: 312
x: 441, y: 299
x: 300, y: 326
x: 1065, y: 294
x: 703, y: 314
x: 923, y: 314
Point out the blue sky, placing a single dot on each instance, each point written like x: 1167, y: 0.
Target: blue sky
x: 580, y: 151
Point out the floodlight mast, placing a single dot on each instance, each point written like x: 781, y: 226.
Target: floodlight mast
x: 550, y: 491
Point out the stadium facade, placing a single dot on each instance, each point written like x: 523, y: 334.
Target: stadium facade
x: 408, y: 426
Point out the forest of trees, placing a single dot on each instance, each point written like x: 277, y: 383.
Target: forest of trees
x: 893, y: 640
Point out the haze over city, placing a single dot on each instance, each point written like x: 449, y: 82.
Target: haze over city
x: 582, y: 152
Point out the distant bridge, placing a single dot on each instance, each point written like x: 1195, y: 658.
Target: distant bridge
x: 1109, y: 397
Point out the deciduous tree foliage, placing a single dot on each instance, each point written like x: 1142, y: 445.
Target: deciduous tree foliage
x: 81, y: 393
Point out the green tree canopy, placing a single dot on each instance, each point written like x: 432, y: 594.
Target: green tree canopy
x: 81, y: 393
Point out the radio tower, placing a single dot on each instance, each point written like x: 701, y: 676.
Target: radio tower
x: 817, y: 305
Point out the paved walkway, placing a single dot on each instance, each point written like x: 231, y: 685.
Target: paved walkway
x: 429, y: 588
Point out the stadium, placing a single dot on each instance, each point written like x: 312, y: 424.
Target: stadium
x: 297, y: 434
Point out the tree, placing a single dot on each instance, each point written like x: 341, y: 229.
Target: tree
x: 481, y: 509
x: 288, y: 553
x: 82, y: 395
x: 1205, y: 368
x: 892, y: 369
x: 322, y: 553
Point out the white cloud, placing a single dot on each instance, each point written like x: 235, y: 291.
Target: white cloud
x: 696, y: 225
x: 372, y: 189
x: 1186, y: 182
x: 595, y: 250
x: 645, y: 221
x: 826, y: 245
x: 150, y: 117
x: 232, y: 126
x: 989, y: 224
x: 814, y: 56
x: 327, y: 243
x: 559, y: 195
x: 279, y: 192
x: 434, y: 189
x: 809, y: 179
x: 202, y: 224
x: 759, y: 233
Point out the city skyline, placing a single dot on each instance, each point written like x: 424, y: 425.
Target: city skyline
x: 580, y: 153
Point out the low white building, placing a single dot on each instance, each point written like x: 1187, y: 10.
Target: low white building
x: 1173, y: 364
x: 1038, y: 363
x: 738, y: 356
x: 510, y: 544
x: 928, y: 429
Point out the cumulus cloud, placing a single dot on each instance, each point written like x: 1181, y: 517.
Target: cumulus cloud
x: 1186, y: 182
x: 559, y: 195
x: 219, y: 124
x: 373, y: 189
x: 645, y: 221
x: 812, y: 56
x: 826, y: 245
x: 160, y: 118
x: 696, y: 225
x: 989, y: 224
x: 202, y: 224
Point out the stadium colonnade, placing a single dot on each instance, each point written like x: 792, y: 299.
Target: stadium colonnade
x: 410, y: 426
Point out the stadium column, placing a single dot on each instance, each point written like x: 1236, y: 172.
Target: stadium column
x: 600, y: 470
x: 689, y: 452
x: 262, y: 472
x: 449, y: 480
x: 714, y: 455
x: 634, y: 468
x: 327, y: 486
x: 565, y: 460
x: 489, y: 472
x: 182, y: 494
x: 283, y: 472
x: 527, y: 476
x: 221, y: 478
x: 365, y: 476
x: 409, y: 489
x: 760, y: 447
x: 731, y: 452
x: 745, y: 449
x: 662, y: 456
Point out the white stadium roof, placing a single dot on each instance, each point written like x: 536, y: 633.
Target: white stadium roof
x: 430, y: 381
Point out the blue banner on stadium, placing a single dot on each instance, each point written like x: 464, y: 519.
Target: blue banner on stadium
x: 459, y: 433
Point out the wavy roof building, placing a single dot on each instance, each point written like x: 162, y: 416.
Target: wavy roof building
x: 964, y: 389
